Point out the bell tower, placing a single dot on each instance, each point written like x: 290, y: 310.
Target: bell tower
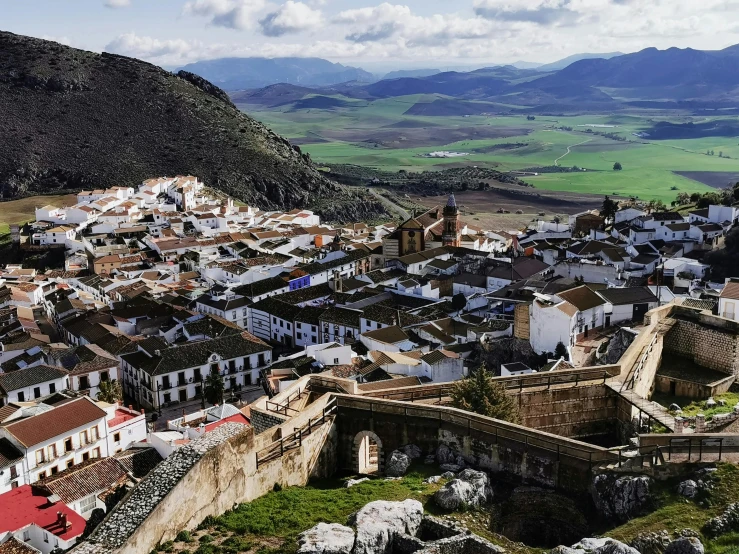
x: 451, y: 234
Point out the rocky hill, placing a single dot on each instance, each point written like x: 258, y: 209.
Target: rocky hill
x: 74, y: 119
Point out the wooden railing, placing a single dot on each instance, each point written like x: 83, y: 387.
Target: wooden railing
x: 283, y: 408
x: 295, y: 439
x: 494, y: 430
x: 520, y: 382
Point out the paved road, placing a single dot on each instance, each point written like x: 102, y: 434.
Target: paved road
x: 391, y: 205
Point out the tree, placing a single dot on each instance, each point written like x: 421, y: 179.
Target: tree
x: 608, y: 210
x: 214, y: 387
x: 682, y: 198
x: 560, y: 351
x: 695, y: 197
x: 459, y: 302
x: 617, y: 166
x: 480, y: 394
x: 110, y: 392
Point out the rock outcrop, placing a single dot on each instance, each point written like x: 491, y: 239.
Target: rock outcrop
x: 685, y: 545
x: 724, y: 523
x: 621, y: 498
x: 378, y: 522
x: 397, y: 464
x: 469, y: 489
x: 326, y: 538
x: 596, y: 546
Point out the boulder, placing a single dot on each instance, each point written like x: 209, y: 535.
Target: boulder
x: 352, y: 482
x: 430, y: 459
x: 326, y: 538
x: 675, y: 408
x: 454, y: 468
x: 448, y: 475
x: 397, y: 464
x: 412, y: 451
x: 685, y: 545
x: 727, y: 522
x: 710, y: 403
x: 688, y: 488
x: 603, y: 545
x: 621, y: 498
x: 651, y: 543
x: 470, y: 489
x: 445, y: 455
x: 378, y: 522
x: 432, y: 479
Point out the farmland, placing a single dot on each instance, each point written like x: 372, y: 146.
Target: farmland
x: 380, y: 134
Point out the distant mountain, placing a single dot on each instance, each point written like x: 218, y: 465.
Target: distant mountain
x: 670, y: 79
x: 272, y: 95
x: 249, y: 73
x: 672, y: 74
x: 564, y: 62
x: 525, y: 65
x: 402, y: 73
x: 73, y: 119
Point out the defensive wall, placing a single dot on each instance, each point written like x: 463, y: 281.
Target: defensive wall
x: 313, y: 428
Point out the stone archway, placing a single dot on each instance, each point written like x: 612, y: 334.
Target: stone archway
x: 367, y: 454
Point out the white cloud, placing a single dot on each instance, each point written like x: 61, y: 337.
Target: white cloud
x: 291, y: 17
x: 397, y: 32
x: 232, y: 14
x: 118, y: 3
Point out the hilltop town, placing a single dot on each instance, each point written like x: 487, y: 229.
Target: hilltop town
x: 181, y: 319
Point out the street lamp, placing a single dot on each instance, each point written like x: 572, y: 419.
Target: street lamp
x: 159, y: 400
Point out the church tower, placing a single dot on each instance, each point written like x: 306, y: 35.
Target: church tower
x: 452, y: 233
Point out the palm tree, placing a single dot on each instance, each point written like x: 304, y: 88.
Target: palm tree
x: 110, y: 392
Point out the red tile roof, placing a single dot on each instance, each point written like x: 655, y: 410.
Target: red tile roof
x: 237, y: 418
x: 21, y: 507
x: 60, y: 420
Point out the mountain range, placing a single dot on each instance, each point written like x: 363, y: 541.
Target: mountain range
x: 248, y: 73
x: 672, y: 78
x: 73, y: 119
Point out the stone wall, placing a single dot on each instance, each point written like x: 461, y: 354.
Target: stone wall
x: 206, y: 478
x: 530, y: 455
x: 262, y: 420
x: 570, y: 412
x: 708, y: 346
x: 522, y: 321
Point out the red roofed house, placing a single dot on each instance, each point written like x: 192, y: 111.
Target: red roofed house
x: 34, y: 519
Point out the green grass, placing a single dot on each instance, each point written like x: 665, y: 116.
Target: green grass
x: 648, y: 166
x: 675, y: 513
x: 694, y: 407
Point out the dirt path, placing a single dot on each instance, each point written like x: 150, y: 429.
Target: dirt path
x: 392, y: 206
x: 556, y: 162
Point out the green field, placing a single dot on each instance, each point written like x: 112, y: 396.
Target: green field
x: 379, y: 134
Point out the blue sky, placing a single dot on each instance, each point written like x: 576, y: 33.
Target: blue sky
x: 417, y: 33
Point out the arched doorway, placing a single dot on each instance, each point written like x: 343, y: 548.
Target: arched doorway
x: 367, y: 453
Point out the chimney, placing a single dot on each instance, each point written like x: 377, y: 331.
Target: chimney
x: 438, y: 212
x: 130, y: 407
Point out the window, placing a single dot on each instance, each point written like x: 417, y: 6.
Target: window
x: 21, y: 397
x: 116, y: 437
x: 13, y: 472
x: 84, y: 438
x: 87, y: 503
x: 40, y: 457
x: 41, y: 475
x: 70, y: 463
x: 84, y: 383
x: 54, y: 470
x: 96, y: 452
x: 52, y: 388
x: 85, y: 456
x: 36, y: 392
x: 167, y: 397
x: 104, y: 376
x: 68, y: 444
x: 26, y: 535
x: 52, y: 451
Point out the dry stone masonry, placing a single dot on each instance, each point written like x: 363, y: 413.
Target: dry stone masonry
x: 136, y: 507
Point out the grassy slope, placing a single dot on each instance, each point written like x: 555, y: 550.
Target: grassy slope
x: 270, y: 524
x: 648, y: 168
x: 676, y: 513
x: 23, y: 210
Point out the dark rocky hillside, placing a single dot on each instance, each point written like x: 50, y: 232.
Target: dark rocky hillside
x: 73, y: 119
